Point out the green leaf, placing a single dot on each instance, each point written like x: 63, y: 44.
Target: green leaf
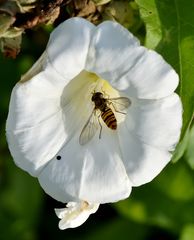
x: 177, y: 182
x: 166, y: 202
x: 190, y: 149
x: 20, y: 204
x: 170, y: 31
x: 188, y: 232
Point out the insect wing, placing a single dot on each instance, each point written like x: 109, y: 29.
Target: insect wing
x: 89, y: 129
x: 120, y: 103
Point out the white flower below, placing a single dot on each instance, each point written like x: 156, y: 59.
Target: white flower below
x: 52, y: 104
x: 75, y: 214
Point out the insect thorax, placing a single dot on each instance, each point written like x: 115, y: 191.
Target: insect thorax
x: 99, y: 101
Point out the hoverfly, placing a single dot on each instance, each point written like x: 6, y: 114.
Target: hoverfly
x: 103, y: 106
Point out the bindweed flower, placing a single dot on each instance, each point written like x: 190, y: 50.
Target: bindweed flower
x: 96, y: 115
x: 75, y: 214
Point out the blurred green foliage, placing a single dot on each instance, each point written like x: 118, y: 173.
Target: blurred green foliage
x: 162, y: 209
x: 190, y: 148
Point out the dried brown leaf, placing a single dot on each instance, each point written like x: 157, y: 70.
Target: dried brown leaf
x: 10, y: 46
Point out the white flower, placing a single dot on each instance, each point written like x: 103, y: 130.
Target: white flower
x: 75, y: 214
x: 52, y: 103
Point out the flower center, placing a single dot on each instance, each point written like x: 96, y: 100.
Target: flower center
x: 78, y: 102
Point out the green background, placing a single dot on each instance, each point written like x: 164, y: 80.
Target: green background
x: 160, y: 210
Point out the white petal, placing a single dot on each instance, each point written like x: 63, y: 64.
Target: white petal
x: 75, y: 214
x: 40, y: 117
x: 142, y: 161
x: 105, y: 178
x: 150, y: 77
x: 36, y: 68
x: 116, y: 56
x: 34, y: 101
x: 112, y: 51
x: 156, y: 122
x: 93, y: 172
x: 33, y: 147
x: 68, y: 46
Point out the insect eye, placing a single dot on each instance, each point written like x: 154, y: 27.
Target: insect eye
x: 58, y: 157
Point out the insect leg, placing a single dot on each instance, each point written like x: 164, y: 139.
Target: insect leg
x: 100, y: 126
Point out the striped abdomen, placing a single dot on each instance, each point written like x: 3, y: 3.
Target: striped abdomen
x: 109, y: 118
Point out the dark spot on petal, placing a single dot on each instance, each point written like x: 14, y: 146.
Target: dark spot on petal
x: 58, y: 157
